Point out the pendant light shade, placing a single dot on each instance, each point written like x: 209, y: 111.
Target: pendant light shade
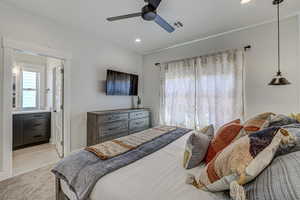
x: 279, y: 79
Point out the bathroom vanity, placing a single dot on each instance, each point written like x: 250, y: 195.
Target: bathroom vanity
x: 31, y: 128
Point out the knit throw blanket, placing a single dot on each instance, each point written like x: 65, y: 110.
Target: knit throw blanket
x: 122, y: 145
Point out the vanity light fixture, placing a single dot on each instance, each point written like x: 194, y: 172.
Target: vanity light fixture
x: 138, y: 40
x: 245, y: 1
x: 15, y: 70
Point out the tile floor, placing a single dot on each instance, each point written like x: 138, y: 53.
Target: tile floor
x: 32, y: 158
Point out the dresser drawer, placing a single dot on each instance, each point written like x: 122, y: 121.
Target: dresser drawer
x: 139, y: 124
x: 112, y: 118
x: 114, y: 128
x: 35, y: 136
x: 35, y: 124
x: 36, y: 130
x: 137, y: 115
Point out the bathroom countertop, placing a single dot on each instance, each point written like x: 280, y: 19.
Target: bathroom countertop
x: 29, y: 111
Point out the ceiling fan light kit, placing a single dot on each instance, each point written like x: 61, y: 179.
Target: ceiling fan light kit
x: 149, y: 13
x: 278, y: 79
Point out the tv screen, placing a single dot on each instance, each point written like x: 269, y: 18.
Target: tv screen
x: 121, y: 84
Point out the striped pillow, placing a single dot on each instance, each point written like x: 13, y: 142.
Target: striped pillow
x: 282, y: 178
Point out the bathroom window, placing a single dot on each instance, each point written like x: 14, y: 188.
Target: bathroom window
x: 30, y: 89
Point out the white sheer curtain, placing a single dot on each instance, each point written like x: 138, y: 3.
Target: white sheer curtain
x: 204, y: 90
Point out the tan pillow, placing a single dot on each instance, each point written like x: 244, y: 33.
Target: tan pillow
x: 296, y: 117
x: 258, y: 122
x: 241, y: 162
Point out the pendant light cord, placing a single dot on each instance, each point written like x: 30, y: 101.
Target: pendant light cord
x: 278, y: 23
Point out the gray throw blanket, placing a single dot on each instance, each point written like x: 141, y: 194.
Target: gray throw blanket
x: 82, y: 170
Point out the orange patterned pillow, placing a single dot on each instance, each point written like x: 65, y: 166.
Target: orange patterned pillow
x: 224, y: 137
x: 257, y: 123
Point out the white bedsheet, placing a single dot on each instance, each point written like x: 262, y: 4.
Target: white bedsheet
x: 159, y: 176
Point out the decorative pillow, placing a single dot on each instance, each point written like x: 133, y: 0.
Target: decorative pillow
x: 280, y: 120
x: 258, y: 122
x: 225, y: 136
x: 196, y: 148
x: 296, y: 117
x: 237, y: 121
x: 294, y: 130
x: 278, y: 181
x: 209, y: 131
x: 241, y: 162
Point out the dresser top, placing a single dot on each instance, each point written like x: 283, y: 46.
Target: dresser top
x: 105, y: 112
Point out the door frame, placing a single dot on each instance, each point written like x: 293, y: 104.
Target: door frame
x: 7, y: 49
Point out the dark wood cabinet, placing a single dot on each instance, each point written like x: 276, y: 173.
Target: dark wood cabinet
x: 31, y: 129
x: 108, y: 125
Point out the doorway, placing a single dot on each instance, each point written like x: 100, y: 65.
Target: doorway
x: 37, y: 103
x: 35, y: 107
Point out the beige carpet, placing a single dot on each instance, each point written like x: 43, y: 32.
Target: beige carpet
x: 36, y: 185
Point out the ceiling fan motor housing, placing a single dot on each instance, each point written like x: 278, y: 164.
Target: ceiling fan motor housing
x: 148, y: 13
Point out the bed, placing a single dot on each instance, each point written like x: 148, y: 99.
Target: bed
x: 159, y: 175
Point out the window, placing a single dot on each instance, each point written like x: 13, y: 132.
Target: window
x: 30, y: 89
x: 200, y: 91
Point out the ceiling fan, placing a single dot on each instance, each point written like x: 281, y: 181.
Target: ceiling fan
x: 149, y: 13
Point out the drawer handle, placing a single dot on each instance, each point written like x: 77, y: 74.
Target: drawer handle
x: 35, y: 125
x: 111, y: 129
x: 114, y: 118
x: 37, y: 136
x: 139, y: 123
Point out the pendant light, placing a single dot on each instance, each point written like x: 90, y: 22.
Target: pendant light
x: 279, y: 79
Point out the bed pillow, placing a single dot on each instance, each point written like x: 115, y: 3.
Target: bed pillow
x: 258, y: 122
x: 281, y: 180
x: 280, y: 120
x: 241, y: 162
x: 237, y: 121
x: 296, y: 117
x: 294, y: 130
x: 225, y: 136
x: 209, y: 131
x: 196, y: 147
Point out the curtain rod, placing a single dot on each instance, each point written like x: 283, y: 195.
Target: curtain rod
x: 246, y: 48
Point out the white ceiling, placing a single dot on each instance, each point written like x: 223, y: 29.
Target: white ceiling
x: 201, y: 18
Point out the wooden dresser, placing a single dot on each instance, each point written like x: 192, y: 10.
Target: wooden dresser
x: 111, y: 124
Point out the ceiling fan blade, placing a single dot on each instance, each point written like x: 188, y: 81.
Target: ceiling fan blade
x: 164, y: 24
x: 154, y: 3
x: 111, y: 19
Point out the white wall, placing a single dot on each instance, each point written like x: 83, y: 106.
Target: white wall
x: 1, y: 108
x: 261, y: 63
x: 91, y: 57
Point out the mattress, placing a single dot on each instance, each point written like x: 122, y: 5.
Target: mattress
x: 159, y: 176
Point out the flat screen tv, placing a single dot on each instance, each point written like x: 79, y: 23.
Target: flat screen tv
x: 121, y: 84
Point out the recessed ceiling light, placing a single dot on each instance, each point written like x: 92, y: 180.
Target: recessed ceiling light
x: 138, y: 40
x: 245, y: 1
